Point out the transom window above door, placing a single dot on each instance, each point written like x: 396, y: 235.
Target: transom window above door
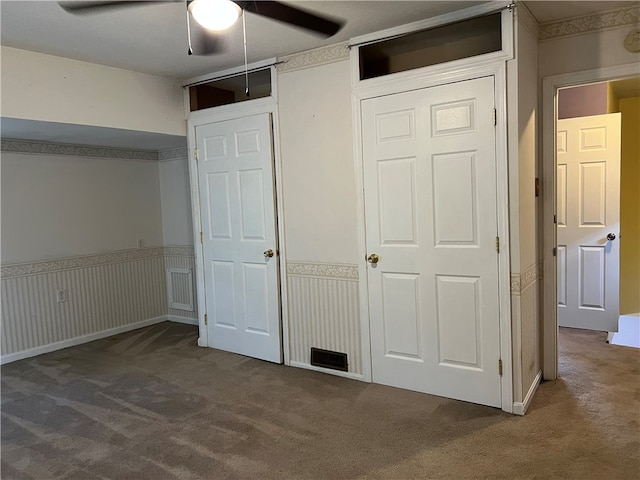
x: 454, y: 41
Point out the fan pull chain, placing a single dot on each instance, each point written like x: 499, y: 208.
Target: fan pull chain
x: 190, y: 51
x: 246, y: 68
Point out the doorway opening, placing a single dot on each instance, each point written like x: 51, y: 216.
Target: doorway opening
x: 621, y: 87
x: 590, y: 150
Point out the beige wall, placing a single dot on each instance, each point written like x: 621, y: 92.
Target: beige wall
x: 630, y: 206
x: 317, y: 164
x: 55, y: 89
x: 94, y: 209
x: 524, y: 207
x: 175, y: 195
x: 585, y: 52
x: 529, y: 206
x: 57, y: 206
x: 527, y: 54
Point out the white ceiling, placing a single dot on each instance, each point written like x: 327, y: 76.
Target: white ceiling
x: 152, y: 39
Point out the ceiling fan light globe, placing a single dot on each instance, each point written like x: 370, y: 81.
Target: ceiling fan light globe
x: 215, y: 14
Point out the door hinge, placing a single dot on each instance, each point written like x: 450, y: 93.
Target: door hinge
x: 555, y: 220
x: 500, y: 367
x: 555, y: 251
x: 495, y: 117
x: 201, y: 238
x: 195, y: 153
x: 498, y: 244
x: 206, y: 319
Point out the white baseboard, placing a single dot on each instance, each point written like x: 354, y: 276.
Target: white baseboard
x: 52, y: 347
x: 185, y: 320
x: 353, y: 376
x: 520, y: 408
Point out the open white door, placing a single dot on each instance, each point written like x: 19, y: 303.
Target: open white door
x: 588, y: 221
x: 431, y: 227
x: 235, y: 176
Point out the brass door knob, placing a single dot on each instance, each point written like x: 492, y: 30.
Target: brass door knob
x: 268, y: 253
x: 373, y: 258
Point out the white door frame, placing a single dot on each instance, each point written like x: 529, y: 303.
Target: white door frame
x: 550, y: 87
x: 419, y: 79
x: 221, y: 114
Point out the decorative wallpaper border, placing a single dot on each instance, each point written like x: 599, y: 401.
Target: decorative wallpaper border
x: 590, y: 23
x: 179, y: 251
x: 173, y: 154
x: 323, y: 270
x: 521, y: 281
x: 83, y: 261
x: 49, y: 148
x: 313, y: 58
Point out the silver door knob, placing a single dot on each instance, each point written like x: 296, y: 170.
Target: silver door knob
x: 268, y: 253
x: 611, y: 237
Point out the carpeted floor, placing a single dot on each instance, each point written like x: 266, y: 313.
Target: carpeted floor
x: 150, y: 404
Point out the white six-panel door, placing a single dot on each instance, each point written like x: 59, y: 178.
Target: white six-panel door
x: 430, y: 208
x: 587, y: 211
x: 235, y: 176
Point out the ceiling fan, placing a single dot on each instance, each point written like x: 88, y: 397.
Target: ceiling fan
x: 217, y: 15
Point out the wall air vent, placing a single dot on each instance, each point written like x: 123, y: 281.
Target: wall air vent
x: 329, y: 359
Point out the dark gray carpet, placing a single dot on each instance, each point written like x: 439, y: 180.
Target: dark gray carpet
x: 150, y: 404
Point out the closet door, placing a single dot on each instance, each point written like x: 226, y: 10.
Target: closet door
x: 431, y: 227
x: 235, y: 176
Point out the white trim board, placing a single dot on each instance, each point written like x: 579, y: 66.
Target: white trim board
x: 184, y: 320
x: 550, y: 87
x: 72, y: 342
x: 520, y: 408
x: 330, y: 371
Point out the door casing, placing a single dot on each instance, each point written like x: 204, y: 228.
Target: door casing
x: 220, y: 114
x: 550, y: 87
x: 414, y: 80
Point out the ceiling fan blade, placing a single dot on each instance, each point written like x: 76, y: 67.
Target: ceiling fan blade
x: 293, y: 16
x: 82, y: 8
